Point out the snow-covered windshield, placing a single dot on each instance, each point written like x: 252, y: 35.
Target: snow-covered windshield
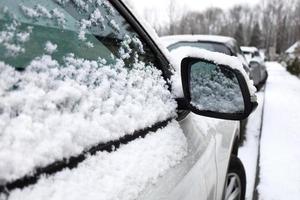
x: 210, y: 46
x: 73, y: 74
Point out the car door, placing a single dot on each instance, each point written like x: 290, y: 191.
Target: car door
x: 85, y: 108
x: 184, y: 167
x: 202, y: 173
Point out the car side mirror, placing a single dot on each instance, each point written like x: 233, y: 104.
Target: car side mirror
x: 215, y: 90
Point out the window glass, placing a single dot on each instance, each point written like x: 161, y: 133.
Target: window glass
x: 88, y: 30
x: 256, y: 53
x: 73, y: 74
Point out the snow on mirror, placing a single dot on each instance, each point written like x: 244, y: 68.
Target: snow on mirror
x: 215, y: 88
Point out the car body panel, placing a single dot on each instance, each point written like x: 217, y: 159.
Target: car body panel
x: 201, y: 175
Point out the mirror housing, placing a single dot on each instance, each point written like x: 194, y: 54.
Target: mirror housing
x: 237, y: 100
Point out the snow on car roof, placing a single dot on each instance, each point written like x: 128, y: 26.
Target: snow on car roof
x: 249, y: 49
x: 172, y: 39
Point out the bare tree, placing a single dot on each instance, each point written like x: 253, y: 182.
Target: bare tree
x: 272, y: 23
x: 256, y: 36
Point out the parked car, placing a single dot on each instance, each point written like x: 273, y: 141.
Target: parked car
x: 256, y: 62
x: 221, y: 44
x: 87, y: 109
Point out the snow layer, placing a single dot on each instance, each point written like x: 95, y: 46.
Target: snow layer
x: 51, y: 112
x: 122, y: 174
x: 219, y: 58
x: 56, y: 109
x: 249, y: 49
x: 40, y: 11
x: 50, y: 47
x: 168, y: 40
x: 280, y: 141
x: 248, y: 153
x: 13, y: 40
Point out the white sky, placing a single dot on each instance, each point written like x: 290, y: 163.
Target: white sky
x: 158, y: 8
x: 193, y: 4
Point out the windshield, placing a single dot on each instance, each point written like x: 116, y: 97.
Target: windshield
x: 210, y: 46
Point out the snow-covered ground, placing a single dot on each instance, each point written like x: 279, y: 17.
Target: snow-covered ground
x: 248, y: 153
x: 279, y: 175
x: 280, y: 140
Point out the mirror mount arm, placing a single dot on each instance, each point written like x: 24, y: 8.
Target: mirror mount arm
x: 182, y: 104
x: 254, y: 105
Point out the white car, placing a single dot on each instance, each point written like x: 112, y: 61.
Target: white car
x: 88, y: 109
x: 215, y: 43
x: 221, y: 44
x: 256, y: 64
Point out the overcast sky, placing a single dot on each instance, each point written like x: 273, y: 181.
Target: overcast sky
x: 158, y: 8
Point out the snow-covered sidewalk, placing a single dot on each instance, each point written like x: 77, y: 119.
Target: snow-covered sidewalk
x: 248, y: 153
x: 280, y: 140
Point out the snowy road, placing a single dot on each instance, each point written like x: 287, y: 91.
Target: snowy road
x: 280, y: 140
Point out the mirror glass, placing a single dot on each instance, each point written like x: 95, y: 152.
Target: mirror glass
x: 215, y: 88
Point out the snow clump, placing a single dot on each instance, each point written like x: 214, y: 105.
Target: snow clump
x: 40, y: 105
x: 50, y: 48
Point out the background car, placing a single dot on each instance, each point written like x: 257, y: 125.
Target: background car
x: 256, y: 62
x: 222, y: 44
x: 87, y: 109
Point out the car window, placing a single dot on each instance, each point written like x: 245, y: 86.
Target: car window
x: 72, y: 74
x: 210, y: 46
x: 256, y: 53
x: 83, y: 30
x: 246, y: 52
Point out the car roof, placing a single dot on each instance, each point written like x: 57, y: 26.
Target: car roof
x: 249, y: 49
x: 172, y: 39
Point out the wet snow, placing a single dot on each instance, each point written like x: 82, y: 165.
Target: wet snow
x: 122, y: 174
